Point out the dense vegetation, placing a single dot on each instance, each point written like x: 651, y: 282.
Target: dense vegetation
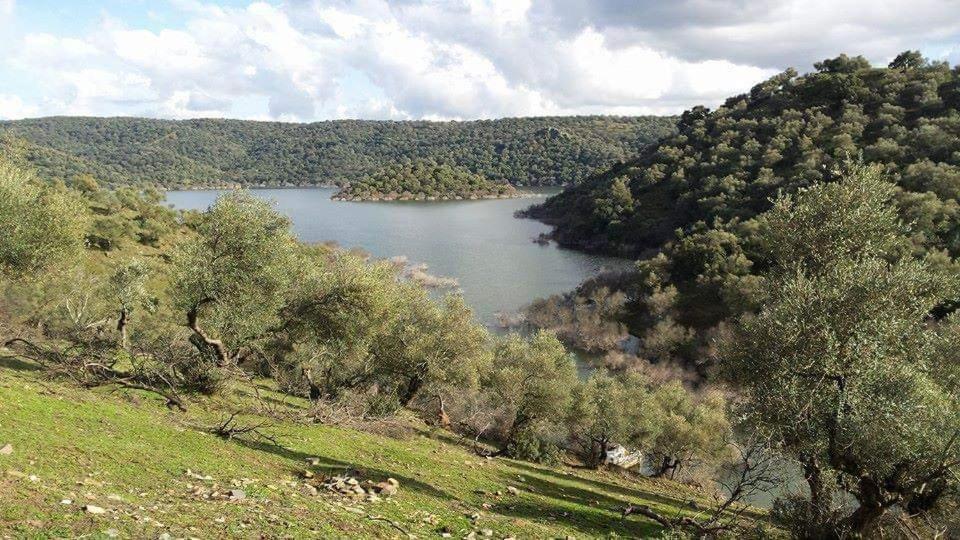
x: 844, y: 368
x: 423, y: 180
x: 840, y: 369
x: 723, y: 166
x: 799, y: 243
x: 689, y: 206
x: 813, y: 302
x: 204, y: 153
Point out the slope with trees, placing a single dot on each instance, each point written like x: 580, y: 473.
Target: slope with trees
x: 790, y: 131
x: 688, y: 206
x: 214, y: 153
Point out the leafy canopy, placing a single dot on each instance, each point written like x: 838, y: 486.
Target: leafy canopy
x: 42, y: 226
x: 843, y: 365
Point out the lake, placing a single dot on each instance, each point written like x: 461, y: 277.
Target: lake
x: 479, y: 243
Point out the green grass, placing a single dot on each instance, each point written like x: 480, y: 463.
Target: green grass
x: 125, y: 452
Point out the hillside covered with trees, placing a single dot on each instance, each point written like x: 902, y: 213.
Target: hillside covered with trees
x: 423, y: 180
x: 213, y: 153
x: 690, y: 207
x: 723, y: 166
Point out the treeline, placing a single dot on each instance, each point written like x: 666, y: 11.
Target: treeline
x: 423, y: 180
x: 213, y: 153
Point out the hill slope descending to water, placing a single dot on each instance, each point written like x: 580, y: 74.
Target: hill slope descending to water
x: 786, y: 133
x: 204, y: 153
x: 103, y: 462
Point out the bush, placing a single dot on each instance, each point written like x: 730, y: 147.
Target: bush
x: 531, y: 444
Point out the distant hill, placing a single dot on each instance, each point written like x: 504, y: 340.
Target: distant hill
x: 204, y: 153
x: 787, y: 132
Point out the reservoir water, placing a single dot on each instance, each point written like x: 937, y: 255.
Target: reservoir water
x: 479, y: 243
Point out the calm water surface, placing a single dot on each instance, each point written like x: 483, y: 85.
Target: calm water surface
x: 479, y: 243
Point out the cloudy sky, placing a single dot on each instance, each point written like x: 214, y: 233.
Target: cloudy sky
x: 303, y: 60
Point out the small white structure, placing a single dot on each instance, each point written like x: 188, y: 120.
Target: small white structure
x: 621, y: 457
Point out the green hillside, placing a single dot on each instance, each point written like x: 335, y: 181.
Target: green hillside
x: 788, y: 132
x: 125, y: 453
x: 198, y: 153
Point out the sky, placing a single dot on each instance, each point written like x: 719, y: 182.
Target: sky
x: 309, y: 60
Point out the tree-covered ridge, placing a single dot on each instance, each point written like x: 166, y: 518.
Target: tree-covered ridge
x: 723, y: 166
x: 206, y: 152
x: 424, y: 180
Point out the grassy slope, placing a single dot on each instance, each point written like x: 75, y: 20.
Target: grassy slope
x: 92, y: 446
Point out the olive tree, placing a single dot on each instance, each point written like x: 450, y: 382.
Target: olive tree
x: 692, y: 428
x: 843, y: 366
x: 608, y: 410
x: 433, y: 347
x: 41, y: 226
x: 334, y: 312
x: 533, y: 379
x: 231, y: 278
x: 353, y: 325
x: 127, y: 287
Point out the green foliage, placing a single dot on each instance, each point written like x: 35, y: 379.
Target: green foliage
x: 533, y: 381
x: 697, y: 196
x: 691, y: 429
x: 423, y: 180
x: 211, y: 153
x: 843, y: 365
x: 234, y: 273
x: 128, y: 287
x: 610, y: 410
x: 353, y: 326
x: 42, y: 226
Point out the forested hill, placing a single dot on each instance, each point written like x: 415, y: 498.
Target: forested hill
x: 424, y: 180
x: 789, y: 131
x: 198, y: 153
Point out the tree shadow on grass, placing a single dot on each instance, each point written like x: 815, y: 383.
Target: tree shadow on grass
x: 630, y: 494
x: 594, y: 524
x: 16, y: 364
x: 330, y: 466
x: 592, y: 511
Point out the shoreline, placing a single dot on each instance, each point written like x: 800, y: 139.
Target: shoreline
x: 433, y: 198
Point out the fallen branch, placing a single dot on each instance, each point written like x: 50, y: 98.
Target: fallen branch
x: 390, y: 522
x: 90, y: 374
x: 680, y: 522
x: 229, y: 428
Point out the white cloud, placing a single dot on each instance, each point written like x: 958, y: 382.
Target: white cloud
x: 13, y: 108
x: 310, y: 59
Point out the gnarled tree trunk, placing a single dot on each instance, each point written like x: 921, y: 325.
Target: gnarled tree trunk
x: 122, y: 320
x: 215, y: 345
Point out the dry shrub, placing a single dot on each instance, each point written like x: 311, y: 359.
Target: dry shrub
x: 658, y: 373
x: 353, y: 410
x: 587, y: 319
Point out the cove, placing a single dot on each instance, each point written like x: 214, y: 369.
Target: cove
x: 479, y: 243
